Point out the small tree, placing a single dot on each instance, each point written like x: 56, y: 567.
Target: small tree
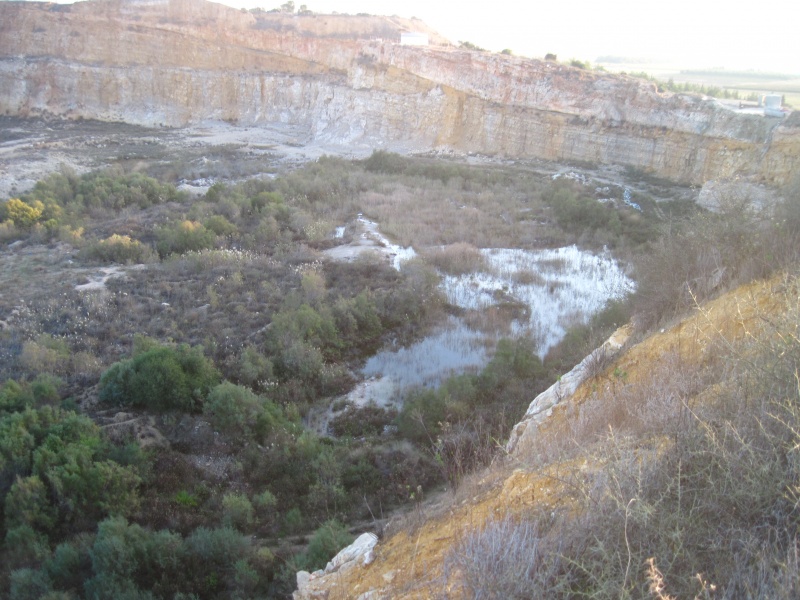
x: 23, y: 215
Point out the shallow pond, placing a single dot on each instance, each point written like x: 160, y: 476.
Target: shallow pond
x: 533, y: 293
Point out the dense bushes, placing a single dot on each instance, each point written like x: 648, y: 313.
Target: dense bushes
x: 327, y: 540
x: 125, y: 560
x: 118, y: 249
x: 239, y: 413
x: 459, y: 422
x: 56, y: 476
x: 186, y: 236
x: 577, y: 211
x: 104, y: 189
x: 160, y: 378
x: 17, y: 396
x: 244, y: 276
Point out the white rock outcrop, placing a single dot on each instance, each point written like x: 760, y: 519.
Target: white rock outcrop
x: 315, y: 585
x: 542, y: 405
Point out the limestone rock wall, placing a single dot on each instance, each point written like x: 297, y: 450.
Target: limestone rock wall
x: 345, y: 80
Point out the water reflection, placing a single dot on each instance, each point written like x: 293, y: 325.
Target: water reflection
x: 532, y: 293
x: 453, y: 348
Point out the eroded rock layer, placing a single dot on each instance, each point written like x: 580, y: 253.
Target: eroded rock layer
x: 346, y: 79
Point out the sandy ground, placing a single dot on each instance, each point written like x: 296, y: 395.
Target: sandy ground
x: 195, y: 156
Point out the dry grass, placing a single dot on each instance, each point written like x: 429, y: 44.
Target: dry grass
x: 695, y: 485
x: 456, y: 259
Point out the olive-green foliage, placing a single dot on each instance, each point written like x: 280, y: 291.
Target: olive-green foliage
x: 466, y: 45
x: 512, y: 360
x: 301, y: 342
x: 381, y: 161
x: 242, y: 415
x: 162, y: 378
x: 306, y: 324
x: 507, y: 380
x: 15, y: 397
x: 264, y: 501
x: 362, y: 422
x: 102, y: 190
x: 293, y: 520
x: 254, y: 368
x: 118, y: 249
x: 130, y: 561
x: 237, y: 511
x: 422, y: 416
x: 220, y: 225
x: 46, y: 354
x: 327, y: 540
x: 29, y: 584
x: 186, y: 236
x: 577, y: 211
x: 580, y: 64
x: 357, y: 318
x: 57, y: 474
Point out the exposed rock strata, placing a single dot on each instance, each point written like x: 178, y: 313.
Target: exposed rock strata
x: 345, y: 80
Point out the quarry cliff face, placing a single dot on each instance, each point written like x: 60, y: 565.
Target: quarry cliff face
x: 344, y: 80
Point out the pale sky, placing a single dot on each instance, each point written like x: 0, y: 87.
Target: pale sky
x: 762, y: 35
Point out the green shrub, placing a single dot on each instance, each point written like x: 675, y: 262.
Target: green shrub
x: 28, y: 503
x: 118, y: 249
x: 381, y: 161
x: 161, y: 379
x: 99, y: 190
x: 361, y: 422
x: 217, y: 547
x: 240, y: 414
x: 237, y: 511
x: 422, y: 416
x: 255, y: 369
x: 15, y: 397
x: 186, y: 236
x: 29, y: 546
x: 220, y: 225
x: 29, y: 584
x: 56, y: 472
x: 264, y: 501
x: 70, y: 564
x: 326, y: 542
x: 187, y: 499
x: 45, y: 354
x: 293, y: 520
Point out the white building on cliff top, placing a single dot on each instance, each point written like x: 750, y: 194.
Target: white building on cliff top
x: 413, y: 38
